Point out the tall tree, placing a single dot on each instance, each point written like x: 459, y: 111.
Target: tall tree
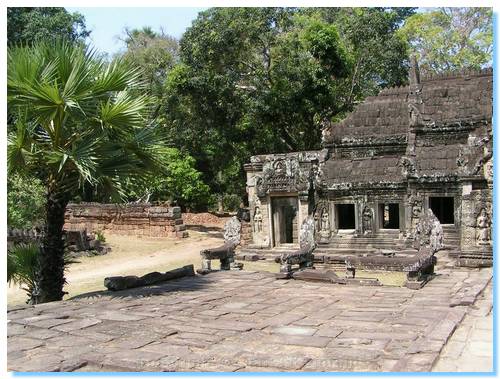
x: 155, y: 54
x: 261, y: 80
x: 26, y: 25
x: 451, y: 38
x: 76, y: 122
x: 380, y: 57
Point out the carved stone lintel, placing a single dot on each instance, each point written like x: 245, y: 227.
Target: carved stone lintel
x: 282, y: 175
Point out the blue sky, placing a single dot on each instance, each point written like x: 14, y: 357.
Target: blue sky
x: 107, y: 24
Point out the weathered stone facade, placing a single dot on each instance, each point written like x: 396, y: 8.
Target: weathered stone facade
x: 424, y: 146
x: 126, y: 219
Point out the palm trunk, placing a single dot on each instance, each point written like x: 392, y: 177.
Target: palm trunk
x: 52, y: 251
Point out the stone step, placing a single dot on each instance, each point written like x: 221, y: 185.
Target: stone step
x: 361, y: 246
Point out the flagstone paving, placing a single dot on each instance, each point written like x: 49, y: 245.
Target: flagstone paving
x: 249, y: 321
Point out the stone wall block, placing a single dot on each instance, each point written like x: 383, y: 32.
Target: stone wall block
x: 128, y: 219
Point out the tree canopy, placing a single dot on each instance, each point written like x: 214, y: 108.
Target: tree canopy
x: 447, y: 39
x: 154, y: 53
x: 261, y: 80
x: 77, y: 120
x: 246, y: 81
x: 26, y: 25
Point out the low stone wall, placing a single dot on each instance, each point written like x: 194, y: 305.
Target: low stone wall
x: 16, y: 236
x: 126, y: 219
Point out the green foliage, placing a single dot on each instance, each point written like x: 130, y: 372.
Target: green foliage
x: 99, y: 236
x: 379, y: 53
x: 28, y: 25
x: 23, y: 267
x: 25, y: 202
x: 178, y: 181
x: 450, y: 38
x: 155, y: 54
x: 77, y: 122
x: 76, y: 119
x: 231, y: 202
x: 323, y: 42
x: 262, y: 80
x: 183, y: 182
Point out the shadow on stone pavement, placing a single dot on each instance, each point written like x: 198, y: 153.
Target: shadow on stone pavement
x: 182, y: 284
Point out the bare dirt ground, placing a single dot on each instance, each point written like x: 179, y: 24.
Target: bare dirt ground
x: 130, y: 255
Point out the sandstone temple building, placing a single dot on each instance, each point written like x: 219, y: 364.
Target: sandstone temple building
x: 424, y: 146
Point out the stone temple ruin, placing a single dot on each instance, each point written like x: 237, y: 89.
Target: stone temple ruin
x: 139, y: 219
x: 412, y: 152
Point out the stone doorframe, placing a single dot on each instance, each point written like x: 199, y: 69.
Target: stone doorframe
x: 300, y: 209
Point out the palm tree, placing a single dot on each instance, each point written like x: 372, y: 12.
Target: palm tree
x: 23, y: 267
x: 74, y: 122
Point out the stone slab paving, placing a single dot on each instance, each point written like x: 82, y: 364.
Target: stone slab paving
x: 470, y: 348
x: 249, y: 321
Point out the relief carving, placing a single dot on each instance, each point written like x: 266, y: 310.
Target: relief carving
x: 282, y: 175
x: 367, y: 220
x: 483, y: 233
x: 326, y: 132
x: 257, y: 220
x: 307, y: 229
x: 317, y: 177
x: 462, y: 159
x: 322, y: 223
x: 417, y: 118
x: 415, y: 203
x: 407, y: 167
x: 429, y: 232
x: 488, y: 170
x: 232, y: 231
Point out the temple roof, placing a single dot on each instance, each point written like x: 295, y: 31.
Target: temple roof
x: 437, y: 128
x: 367, y: 170
x: 449, y: 116
x: 448, y: 100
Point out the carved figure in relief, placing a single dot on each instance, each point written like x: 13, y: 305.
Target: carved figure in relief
x: 257, y: 220
x: 325, y: 220
x: 307, y: 234
x: 367, y: 220
x: 317, y: 223
x: 436, y: 235
x: 407, y: 166
x: 483, y: 228
x: 416, y: 206
x: 488, y: 170
x: 232, y: 230
x: 325, y: 223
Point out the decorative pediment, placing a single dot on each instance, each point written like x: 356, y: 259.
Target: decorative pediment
x: 282, y: 175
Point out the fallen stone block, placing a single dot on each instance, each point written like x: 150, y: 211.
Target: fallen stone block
x: 118, y: 283
x: 315, y: 275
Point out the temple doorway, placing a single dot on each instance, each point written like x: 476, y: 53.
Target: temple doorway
x: 389, y: 216
x: 443, y: 208
x: 284, y: 212
x: 345, y: 216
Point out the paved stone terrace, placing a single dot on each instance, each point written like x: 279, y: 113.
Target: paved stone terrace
x: 248, y: 321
